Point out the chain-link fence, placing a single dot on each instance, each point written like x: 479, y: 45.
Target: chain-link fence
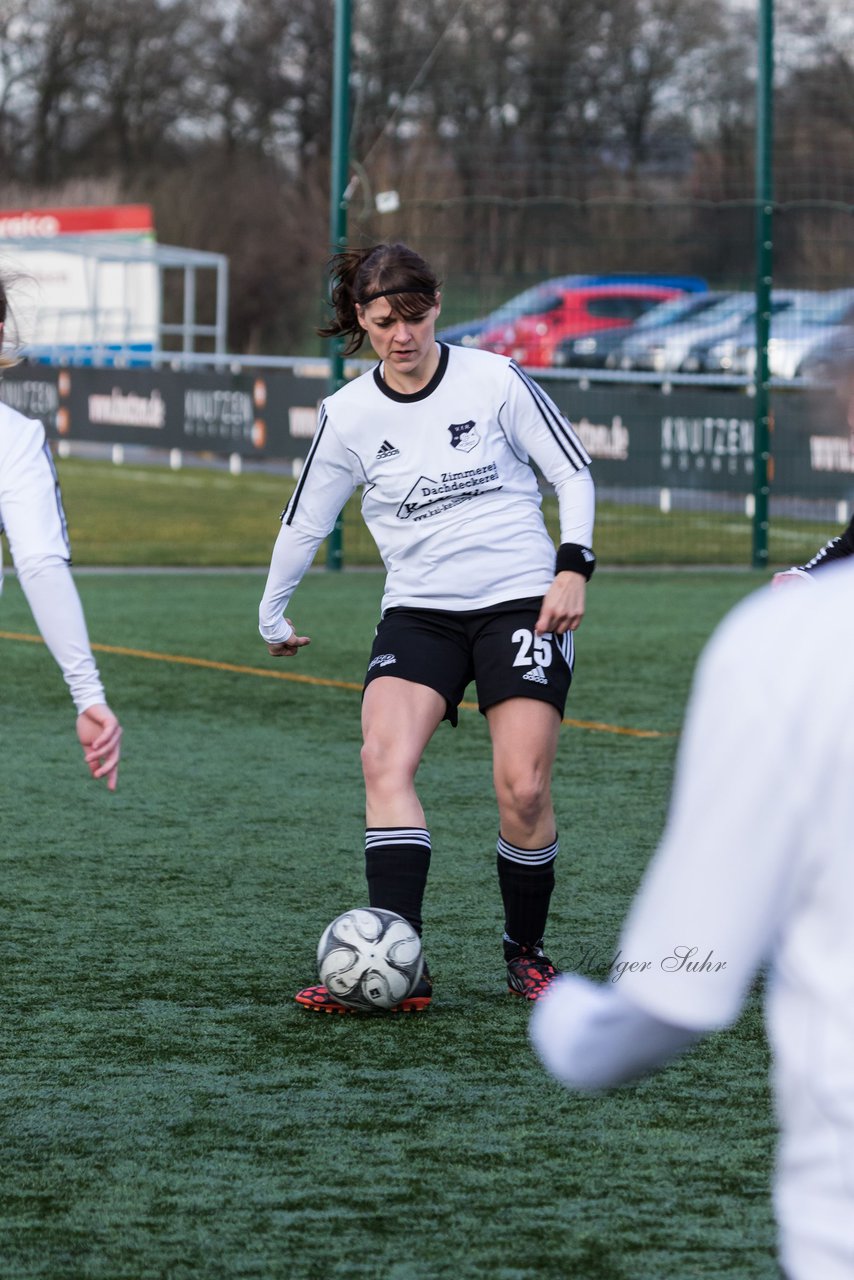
x: 585, y: 180
x: 581, y: 173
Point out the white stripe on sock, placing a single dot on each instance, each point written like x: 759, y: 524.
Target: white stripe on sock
x: 527, y: 857
x: 376, y: 837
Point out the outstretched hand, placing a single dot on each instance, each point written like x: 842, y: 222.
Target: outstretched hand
x: 100, y: 736
x: 563, y: 606
x: 290, y: 647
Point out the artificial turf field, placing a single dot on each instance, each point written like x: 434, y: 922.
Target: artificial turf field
x: 168, y: 1111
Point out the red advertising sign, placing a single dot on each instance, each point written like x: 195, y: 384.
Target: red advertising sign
x: 100, y: 220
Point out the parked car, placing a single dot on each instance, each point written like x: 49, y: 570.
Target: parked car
x: 530, y: 301
x: 526, y: 303
x: 795, y: 331
x: 531, y: 339
x: 665, y: 350
x: 592, y: 350
x: 831, y: 359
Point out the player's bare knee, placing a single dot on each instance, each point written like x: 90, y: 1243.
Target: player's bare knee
x: 524, y: 799
x: 384, y: 768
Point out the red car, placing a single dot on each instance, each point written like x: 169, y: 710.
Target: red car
x: 568, y: 312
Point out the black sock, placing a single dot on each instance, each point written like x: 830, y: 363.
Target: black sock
x: 397, y: 860
x: 526, y: 878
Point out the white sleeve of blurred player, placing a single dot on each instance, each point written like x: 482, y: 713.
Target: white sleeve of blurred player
x: 592, y: 1037
x: 32, y: 516
x: 325, y: 484
x: 712, y: 899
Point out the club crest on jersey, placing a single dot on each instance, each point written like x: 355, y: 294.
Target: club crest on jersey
x: 464, y: 436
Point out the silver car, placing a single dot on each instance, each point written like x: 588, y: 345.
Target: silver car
x: 664, y: 350
x: 795, y: 332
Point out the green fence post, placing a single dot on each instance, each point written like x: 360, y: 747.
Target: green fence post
x: 340, y: 166
x: 764, y: 275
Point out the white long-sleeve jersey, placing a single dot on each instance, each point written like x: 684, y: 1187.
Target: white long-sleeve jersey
x: 448, y: 492
x: 32, y: 517
x: 754, y: 871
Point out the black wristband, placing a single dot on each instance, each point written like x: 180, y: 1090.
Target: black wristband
x: 573, y: 558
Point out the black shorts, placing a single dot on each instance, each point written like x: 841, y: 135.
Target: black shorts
x: 495, y: 647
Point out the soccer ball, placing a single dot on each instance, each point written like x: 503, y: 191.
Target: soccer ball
x: 369, y: 958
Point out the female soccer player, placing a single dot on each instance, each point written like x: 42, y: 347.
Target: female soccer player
x: 440, y: 439
x: 34, y: 522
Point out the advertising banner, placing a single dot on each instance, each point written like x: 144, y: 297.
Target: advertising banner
x: 638, y: 437
x: 694, y: 438
x: 101, y: 220
x: 251, y: 414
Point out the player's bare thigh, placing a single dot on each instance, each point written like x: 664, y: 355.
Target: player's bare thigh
x: 399, y: 717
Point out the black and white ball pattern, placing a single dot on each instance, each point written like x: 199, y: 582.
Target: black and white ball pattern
x: 369, y: 958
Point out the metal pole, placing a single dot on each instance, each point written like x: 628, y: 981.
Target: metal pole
x: 220, y: 341
x: 764, y: 275
x: 338, y: 208
x: 188, y: 341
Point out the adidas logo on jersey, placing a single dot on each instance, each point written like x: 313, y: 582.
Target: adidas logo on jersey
x: 386, y: 451
x: 536, y: 675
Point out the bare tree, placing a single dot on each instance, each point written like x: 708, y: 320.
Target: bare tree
x: 145, y: 91
x: 267, y: 225
x: 522, y: 139
x: 55, y: 46
x: 15, y: 68
x: 269, y: 80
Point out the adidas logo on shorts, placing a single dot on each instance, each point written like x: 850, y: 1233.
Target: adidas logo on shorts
x: 537, y: 675
x: 383, y: 660
x: 386, y: 451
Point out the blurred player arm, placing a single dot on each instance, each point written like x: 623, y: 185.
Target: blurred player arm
x: 709, y: 908
x: 593, y: 1037
x: 31, y: 513
x: 58, y: 613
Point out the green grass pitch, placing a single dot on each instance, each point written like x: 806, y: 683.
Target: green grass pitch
x: 168, y: 1112
x: 134, y: 515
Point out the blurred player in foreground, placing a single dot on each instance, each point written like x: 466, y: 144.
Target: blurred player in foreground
x: 439, y: 439
x: 838, y: 548
x: 32, y: 517
x: 755, y: 868
x: 842, y: 546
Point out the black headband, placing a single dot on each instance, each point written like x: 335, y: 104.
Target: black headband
x: 387, y: 293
